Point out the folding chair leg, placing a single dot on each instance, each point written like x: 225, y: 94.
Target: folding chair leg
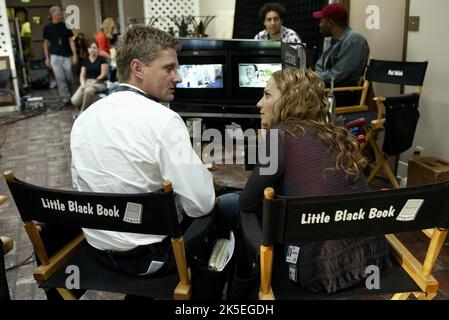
x: 266, y: 263
x: 436, y: 244
x: 184, y: 289
x: 374, y: 172
x: 66, y: 294
x: 423, y: 296
x: 401, y: 296
x: 7, y: 244
x: 390, y: 175
x: 428, y: 233
x: 382, y: 164
x: 3, y: 199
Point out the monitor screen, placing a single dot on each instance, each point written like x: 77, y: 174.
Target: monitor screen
x: 256, y: 75
x: 201, y: 76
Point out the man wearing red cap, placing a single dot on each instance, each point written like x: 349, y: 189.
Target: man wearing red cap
x: 345, y: 53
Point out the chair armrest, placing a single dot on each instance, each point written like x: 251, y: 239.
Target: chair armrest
x: 429, y: 233
x: 377, y: 124
x: 350, y: 109
x: 380, y: 103
x: 342, y: 89
x: 380, y: 99
x: 3, y: 199
x: 42, y: 273
x: 8, y: 244
x: 412, y: 266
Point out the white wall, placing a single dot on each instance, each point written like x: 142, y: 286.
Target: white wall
x: 431, y: 43
x: 386, y: 43
x: 223, y: 24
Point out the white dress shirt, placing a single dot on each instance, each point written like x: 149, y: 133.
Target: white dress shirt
x: 126, y: 143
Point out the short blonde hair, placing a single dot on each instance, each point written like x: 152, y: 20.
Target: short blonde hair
x: 143, y: 43
x: 107, y: 27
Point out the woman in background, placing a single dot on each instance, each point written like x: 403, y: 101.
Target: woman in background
x: 104, y: 37
x: 314, y: 159
x: 81, y: 51
x: 94, y: 71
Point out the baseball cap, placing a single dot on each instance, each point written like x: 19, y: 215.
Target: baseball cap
x: 334, y: 11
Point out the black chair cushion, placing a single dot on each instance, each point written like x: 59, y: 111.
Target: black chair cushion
x: 390, y: 282
x: 95, y: 276
x: 402, y: 117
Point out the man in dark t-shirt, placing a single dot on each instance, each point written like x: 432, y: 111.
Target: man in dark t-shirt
x: 60, y: 52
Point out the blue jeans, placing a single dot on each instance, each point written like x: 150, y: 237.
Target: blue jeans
x: 62, y: 68
x: 229, y: 210
x: 137, y: 261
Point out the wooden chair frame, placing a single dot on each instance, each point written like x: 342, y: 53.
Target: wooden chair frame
x: 362, y: 107
x: 50, y: 264
x: 8, y: 244
x: 421, y: 273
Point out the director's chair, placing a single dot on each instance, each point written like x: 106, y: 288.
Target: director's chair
x: 398, y: 115
x: 149, y: 213
x: 6, y: 245
x: 414, y: 209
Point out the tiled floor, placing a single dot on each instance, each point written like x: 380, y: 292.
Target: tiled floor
x: 37, y: 149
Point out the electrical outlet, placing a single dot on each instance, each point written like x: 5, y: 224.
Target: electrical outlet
x: 413, y: 23
x: 419, y: 151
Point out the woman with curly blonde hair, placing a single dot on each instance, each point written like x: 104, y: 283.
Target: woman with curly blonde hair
x: 314, y: 159
x: 104, y: 37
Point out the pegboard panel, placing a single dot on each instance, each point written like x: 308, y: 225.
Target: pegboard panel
x: 298, y: 17
x: 5, y: 35
x: 161, y: 14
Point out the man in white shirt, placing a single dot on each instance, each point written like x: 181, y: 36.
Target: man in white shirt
x: 272, y: 17
x: 129, y: 143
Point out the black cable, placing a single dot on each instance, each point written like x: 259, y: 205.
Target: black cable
x: 34, y: 113
x: 23, y: 263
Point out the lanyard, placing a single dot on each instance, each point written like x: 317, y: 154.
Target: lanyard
x: 146, y: 95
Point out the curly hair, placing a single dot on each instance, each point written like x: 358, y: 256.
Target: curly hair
x: 303, y: 103
x: 272, y: 6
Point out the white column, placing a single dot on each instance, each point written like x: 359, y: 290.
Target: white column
x: 7, y: 49
x: 98, y: 17
x: 121, y: 15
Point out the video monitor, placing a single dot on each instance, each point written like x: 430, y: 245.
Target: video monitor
x: 201, y: 76
x: 250, y: 72
x: 204, y: 77
x: 256, y: 75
